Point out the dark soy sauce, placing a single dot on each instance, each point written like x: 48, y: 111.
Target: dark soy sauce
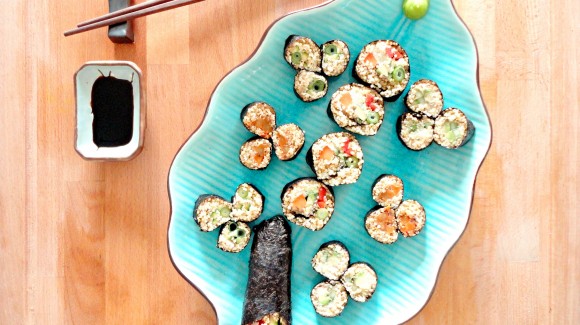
x: 112, y: 103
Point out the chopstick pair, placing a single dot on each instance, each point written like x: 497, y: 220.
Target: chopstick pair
x: 129, y: 13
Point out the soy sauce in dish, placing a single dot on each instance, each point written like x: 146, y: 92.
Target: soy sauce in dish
x: 112, y: 103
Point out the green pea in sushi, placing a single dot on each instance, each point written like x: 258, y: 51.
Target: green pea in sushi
x: 302, y: 53
x: 335, y: 57
x: 310, y: 86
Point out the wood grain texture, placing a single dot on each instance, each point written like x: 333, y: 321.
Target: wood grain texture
x: 85, y: 242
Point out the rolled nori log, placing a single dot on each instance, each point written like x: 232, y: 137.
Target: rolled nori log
x: 268, y: 290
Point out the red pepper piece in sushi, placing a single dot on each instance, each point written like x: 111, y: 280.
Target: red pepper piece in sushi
x: 393, y: 54
x: 370, y: 102
x: 322, y: 197
x: 346, y: 149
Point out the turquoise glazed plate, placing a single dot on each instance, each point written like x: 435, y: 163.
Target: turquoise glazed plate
x: 440, y: 48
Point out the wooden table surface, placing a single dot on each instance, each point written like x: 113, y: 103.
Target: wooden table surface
x: 85, y: 242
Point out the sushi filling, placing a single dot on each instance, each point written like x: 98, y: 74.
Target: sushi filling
x: 358, y: 109
x: 360, y: 280
x: 331, y: 261
x: 288, y: 140
x: 248, y: 203
x: 310, y: 86
x: 212, y: 212
x: 384, y: 65
x: 256, y: 154
x: 234, y: 237
x: 416, y: 131
x: 270, y: 319
x: 302, y: 53
x: 337, y: 159
x: 382, y: 226
x: 451, y: 128
x: 335, y: 57
x: 410, y: 218
x: 425, y: 97
x: 329, y: 298
x: 260, y: 119
x: 388, y: 191
x: 308, y: 203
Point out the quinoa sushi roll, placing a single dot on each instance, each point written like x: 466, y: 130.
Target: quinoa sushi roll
x: 410, y: 217
x: 357, y: 108
x: 310, y: 86
x: 384, y: 66
x: 425, y: 97
x: 211, y: 211
x: 336, y: 158
x: 247, y: 203
x: 329, y: 298
x: 388, y: 191
x: 453, y: 129
x: 308, y: 203
x: 360, y: 280
x: 288, y: 140
x: 381, y: 225
x: 415, y: 130
x: 256, y: 153
x: 335, y: 57
x: 302, y: 53
x: 268, y: 291
x: 331, y: 260
x: 259, y: 118
x: 234, y: 237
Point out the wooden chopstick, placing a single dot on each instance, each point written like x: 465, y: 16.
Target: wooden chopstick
x: 132, y: 15
x: 123, y: 11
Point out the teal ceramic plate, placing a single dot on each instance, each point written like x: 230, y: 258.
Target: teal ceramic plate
x: 440, y: 48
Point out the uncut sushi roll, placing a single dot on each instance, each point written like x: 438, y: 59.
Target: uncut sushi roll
x: 308, y: 203
x: 288, y: 140
x: 335, y: 57
x: 336, y: 158
x: 360, y: 280
x: 425, y: 97
x: 302, y: 53
x: 234, y: 237
x: 381, y: 225
x: 416, y: 131
x: 329, y: 298
x: 331, y: 260
x: 211, y: 211
x: 256, y: 153
x: 247, y: 203
x: 410, y: 217
x: 384, y: 66
x: 388, y: 191
x: 453, y: 129
x: 259, y: 118
x: 268, y: 298
x: 310, y: 86
x: 357, y: 108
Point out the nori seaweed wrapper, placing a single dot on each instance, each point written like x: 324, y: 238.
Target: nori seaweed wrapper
x: 268, y: 289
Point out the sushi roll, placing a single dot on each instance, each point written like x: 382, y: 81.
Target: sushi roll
x: 267, y: 298
x: 331, y: 260
x: 329, y: 298
x: 310, y: 86
x: 384, y: 66
x: 259, y: 118
x: 308, y: 203
x: 360, y: 280
x: 302, y: 53
x: 388, y: 191
x: 256, y: 153
x: 381, y: 225
x: 357, y: 108
x: 288, y: 140
x: 234, y: 237
x: 247, y: 203
x: 211, y: 211
x: 453, y: 129
x: 335, y: 57
x: 415, y: 130
x: 336, y: 158
x: 410, y: 217
x: 425, y: 97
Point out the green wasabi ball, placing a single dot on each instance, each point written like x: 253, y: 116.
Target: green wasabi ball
x: 415, y: 9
